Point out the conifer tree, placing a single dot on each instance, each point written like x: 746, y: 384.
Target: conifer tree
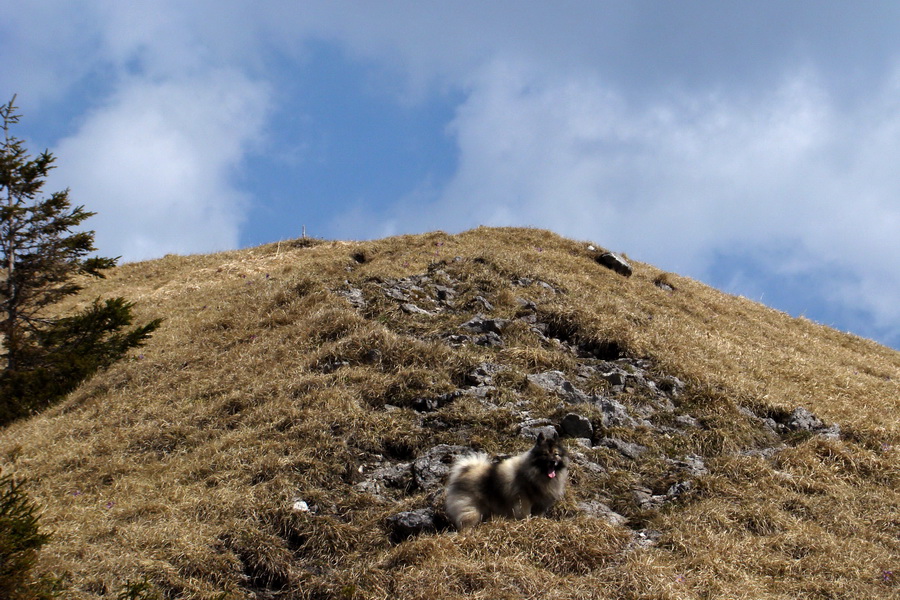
x: 42, y: 251
x: 20, y: 541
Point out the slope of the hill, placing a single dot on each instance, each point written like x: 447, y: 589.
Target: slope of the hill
x: 286, y: 431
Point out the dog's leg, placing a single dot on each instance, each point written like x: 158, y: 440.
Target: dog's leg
x: 468, y: 518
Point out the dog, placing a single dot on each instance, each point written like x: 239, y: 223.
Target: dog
x: 480, y: 488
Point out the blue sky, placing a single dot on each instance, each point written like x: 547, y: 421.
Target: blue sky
x: 751, y: 145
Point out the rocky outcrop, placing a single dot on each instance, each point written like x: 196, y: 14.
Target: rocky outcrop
x: 611, y: 406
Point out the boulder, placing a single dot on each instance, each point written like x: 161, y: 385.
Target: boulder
x: 555, y: 382
x: 407, y: 524
x: 627, y: 449
x: 614, y: 413
x: 577, y: 426
x: 431, y: 469
x: 616, y: 263
x: 532, y: 428
x: 599, y: 510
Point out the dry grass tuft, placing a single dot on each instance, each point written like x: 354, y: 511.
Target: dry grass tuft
x: 293, y: 371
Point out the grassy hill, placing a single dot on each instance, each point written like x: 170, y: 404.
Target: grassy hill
x: 263, y: 442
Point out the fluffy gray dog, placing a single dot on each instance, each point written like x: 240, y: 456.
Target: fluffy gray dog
x: 480, y: 488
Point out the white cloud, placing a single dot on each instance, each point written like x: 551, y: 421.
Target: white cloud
x: 678, y: 135
x: 173, y: 110
x: 158, y: 163
x: 785, y: 177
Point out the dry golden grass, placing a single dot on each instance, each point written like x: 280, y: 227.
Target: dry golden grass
x: 181, y: 464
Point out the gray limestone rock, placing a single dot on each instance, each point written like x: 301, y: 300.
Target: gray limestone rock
x: 407, y: 524
x: 431, y: 469
x: 482, y: 324
x: 614, y: 413
x: 627, y: 449
x: 616, y: 263
x: 599, y: 510
x: 577, y: 426
x: 555, y: 382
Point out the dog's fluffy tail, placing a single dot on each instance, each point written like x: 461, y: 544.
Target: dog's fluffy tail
x: 462, y: 500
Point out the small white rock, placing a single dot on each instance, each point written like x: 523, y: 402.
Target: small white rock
x: 301, y: 506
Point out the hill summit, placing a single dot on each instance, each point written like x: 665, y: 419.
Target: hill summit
x: 287, y: 431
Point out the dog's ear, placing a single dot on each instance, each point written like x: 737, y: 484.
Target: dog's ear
x: 540, y: 438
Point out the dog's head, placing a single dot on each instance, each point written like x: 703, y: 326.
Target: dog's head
x: 549, y: 455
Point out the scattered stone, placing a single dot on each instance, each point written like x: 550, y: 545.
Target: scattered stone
x: 444, y: 293
x: 666, y: 287
x: 588, y: 466
x: 555, y: 382
x: 691, y: 464
x: 300, y: 505
x: 407, y: 524
x: 396, y: 294
x: 482, y: 324
x: 412, y: 309
x: 670, y: 385
x: 532, y: 428
x: 645, y: 499
x: 526, y: 304
x: 584, y: 443
x: 457, y: 340
x: 434, y: 403
x: 687, y: 421
x: 531, y: 319
x: 354, y: 296
x: 763, y: 453
x: 615, y: 378
x: 831, y: 433
x: 627, y: 449
x: 599, y: 510
x: 484, y: 303
x: 646, y: 538
x: 395, y: 476
x: 614, y: 413
x: 802, y: 419
x: 616, y: 263
x: 484, y: 373
x: 330, y: 366
x: 546, y: 286
x: 482, y: 393
x: 678, y: 489
x: 489, y: 340
x: 527, y: 281
x: 430, y: 469
x: 577, y: 426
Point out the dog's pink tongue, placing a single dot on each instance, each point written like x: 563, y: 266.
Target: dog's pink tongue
x: 551, y: 474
